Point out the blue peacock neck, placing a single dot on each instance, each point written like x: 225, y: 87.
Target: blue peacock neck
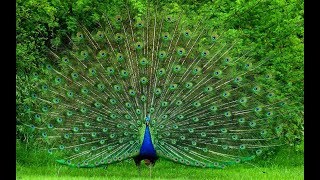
x: 147, y: 150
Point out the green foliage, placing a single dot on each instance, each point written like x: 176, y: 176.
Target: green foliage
x: 27, y: 155
x: 269, y: 30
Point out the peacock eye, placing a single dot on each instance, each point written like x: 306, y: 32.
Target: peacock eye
x: 44, y: 134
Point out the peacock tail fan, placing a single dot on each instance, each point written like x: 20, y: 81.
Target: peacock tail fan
x: 210, y: 104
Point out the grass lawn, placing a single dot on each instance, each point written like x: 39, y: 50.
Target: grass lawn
x: 287, y: 164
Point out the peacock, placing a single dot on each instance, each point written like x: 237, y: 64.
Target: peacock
x: 153, y: 85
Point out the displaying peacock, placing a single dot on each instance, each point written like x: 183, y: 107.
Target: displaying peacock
x: 149, y: 85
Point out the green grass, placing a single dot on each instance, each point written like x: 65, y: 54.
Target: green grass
x: 287, y: 164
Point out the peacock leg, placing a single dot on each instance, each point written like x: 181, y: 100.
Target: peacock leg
x: 139, y: 170
x: 137, y: 161
x: 150, y: 166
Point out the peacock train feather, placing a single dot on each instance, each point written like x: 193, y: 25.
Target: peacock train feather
x: 150, y: 85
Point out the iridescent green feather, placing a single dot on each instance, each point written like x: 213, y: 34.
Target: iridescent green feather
x: 209, y: 105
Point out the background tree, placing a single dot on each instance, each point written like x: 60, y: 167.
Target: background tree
x: 268, y: 29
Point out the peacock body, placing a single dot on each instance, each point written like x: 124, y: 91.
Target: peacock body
x: 148, y: 86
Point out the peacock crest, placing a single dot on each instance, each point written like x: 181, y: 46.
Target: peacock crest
x: 148, y: 85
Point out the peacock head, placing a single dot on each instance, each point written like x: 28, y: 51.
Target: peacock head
x: 147, y: 118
